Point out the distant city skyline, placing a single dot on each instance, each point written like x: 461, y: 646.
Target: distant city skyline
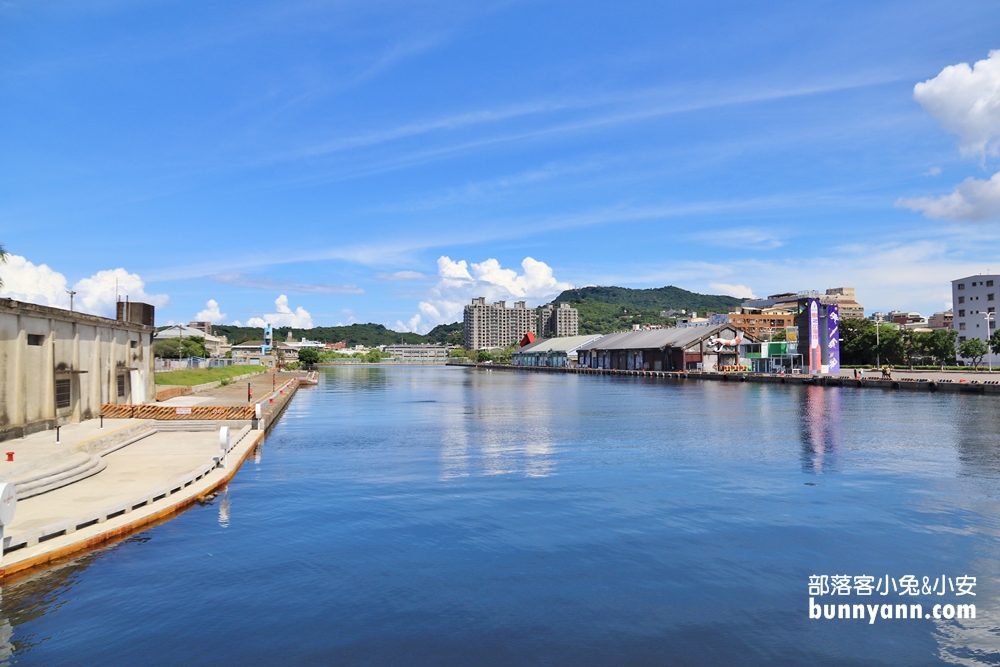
x: 314, y: 165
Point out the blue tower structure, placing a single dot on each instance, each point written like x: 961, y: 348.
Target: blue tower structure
x: 268, y: 340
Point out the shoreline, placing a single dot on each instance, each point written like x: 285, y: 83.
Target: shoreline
x: 904, y: 380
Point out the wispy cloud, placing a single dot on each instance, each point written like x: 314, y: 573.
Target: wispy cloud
x: 401, y: 275
x: 263, y: 282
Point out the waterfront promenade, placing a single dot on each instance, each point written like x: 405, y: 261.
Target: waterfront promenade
x: 97, y: 484
x: 982, y: 382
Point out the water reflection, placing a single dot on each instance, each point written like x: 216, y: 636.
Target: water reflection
x: 224, y: 509
x: 487, y: 430
x: 820, y: 428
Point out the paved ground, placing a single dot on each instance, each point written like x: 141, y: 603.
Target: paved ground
x: 236, y: 393
x: 132, y: 471
x: 955, y: 376
x: 40, y: 445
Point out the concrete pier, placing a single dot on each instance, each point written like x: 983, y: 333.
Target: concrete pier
x: 95, y: 485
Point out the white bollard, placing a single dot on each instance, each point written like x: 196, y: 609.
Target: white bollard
x: 223, y: 445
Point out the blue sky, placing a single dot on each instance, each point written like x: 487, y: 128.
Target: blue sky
x: 330, y: 162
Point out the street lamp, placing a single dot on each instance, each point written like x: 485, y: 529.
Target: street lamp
x: 71, y: 295
x: 878, y: 358
x: 989, y: 353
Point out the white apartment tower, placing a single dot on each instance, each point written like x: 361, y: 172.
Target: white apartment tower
x: 974, y: 302
x: 497, y: 326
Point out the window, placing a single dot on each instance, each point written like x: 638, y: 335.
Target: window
x: 961, y: 339
x: 989, y: 283
x: 961, y: 286
x: 35, y: 339
x: 63, y: 393
x: 961, y: 313
x: 961, y: 326
x: 989, y: 297
x: 961, y: 299
x: 121, y: 385
x: 134, y: 344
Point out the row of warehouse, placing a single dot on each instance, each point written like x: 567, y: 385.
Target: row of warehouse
x: 676, y: 348
x: 712, y: 346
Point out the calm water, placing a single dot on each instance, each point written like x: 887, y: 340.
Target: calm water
x: 435, y: 516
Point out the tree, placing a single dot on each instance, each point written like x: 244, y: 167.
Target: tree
x: 374, y: 356
x: 941, y: 346
x: 309, y: 356
x: 973, y: 349
x: 3, y: 260
x: 191, y: 347
x: 995, y: 342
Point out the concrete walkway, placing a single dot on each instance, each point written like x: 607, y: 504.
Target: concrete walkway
x: 145, y: 481
x: 151, y: 462
x: 42, y: 446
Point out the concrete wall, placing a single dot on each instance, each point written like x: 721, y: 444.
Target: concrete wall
x: 40, y: 345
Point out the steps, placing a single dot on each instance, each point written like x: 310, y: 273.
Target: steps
x: 68, y: 470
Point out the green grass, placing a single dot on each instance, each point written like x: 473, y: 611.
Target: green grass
x: 203, y: 375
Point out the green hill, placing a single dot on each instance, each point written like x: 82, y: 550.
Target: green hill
x: 609, y: 309
x: 356, y: 334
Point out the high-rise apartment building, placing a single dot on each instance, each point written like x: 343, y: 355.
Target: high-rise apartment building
x: 496, y: 326
x: 974, y: 306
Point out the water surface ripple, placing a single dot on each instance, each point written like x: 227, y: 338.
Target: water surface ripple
x: 445, y: 516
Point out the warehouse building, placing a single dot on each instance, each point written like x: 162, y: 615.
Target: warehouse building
x: 59, y: 366
x: 707, y: 347
x: 552, y: 352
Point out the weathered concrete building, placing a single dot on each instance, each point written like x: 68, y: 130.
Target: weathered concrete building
x: 58, y: 366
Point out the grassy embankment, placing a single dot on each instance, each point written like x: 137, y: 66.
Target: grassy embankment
x: 203, y: 375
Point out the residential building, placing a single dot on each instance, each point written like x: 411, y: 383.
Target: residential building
x: 59, y: 366
x: 844, y: 297
x: 552, y: 352
x: 491, y: 326
x: 556, y: 322
x: 845, y: 300
x: 974, y: 301
x: 939, y: 321
x: 206, y: 327
x: 764, y: 323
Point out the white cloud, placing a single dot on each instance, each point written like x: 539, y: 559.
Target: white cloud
x: 285, y: 317
x: 459, y: 282
x: 211, y: 313
x: 97, y: 293
x: 933, y: 171
x: 739, y: 291
x: 973, y: 200
x: 32, y: 283
x: 966, y: 100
